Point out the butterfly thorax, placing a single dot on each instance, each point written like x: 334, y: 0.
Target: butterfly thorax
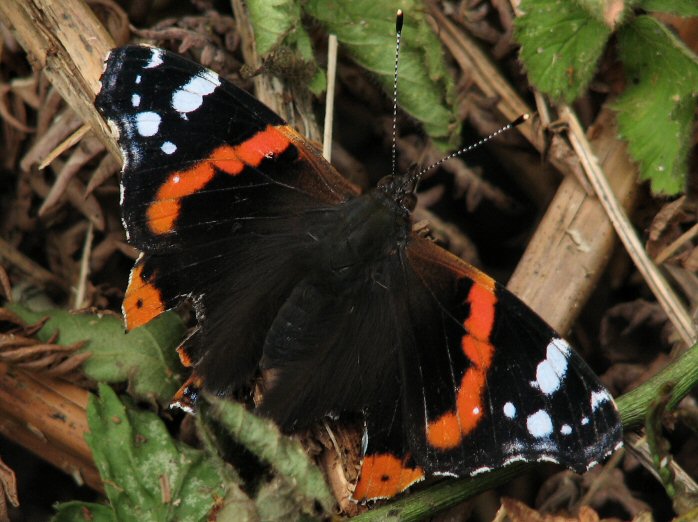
x: 372, y: 228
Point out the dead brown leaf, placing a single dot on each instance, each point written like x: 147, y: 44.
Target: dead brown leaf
x: 517, y: 511
x: 634, y: 331
x: 8, y: 490
x: 19, y: 349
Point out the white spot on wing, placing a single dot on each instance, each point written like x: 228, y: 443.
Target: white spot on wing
x: 168, y: 147
x: 562, y: 345
x: 147, y: 123
x: 566, y: 429
x: 138, y: 78
x: 155, y: 59
x: 551, y: 371
x: 598, y: 398
x: 135, y: 100
x: 539, y: 424
x: 585, y: 421
x: 510, y: 410
x: 191, y: 95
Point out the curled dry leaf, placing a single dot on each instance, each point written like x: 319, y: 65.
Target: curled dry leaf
x: 18, y: 348
x: 207, y: 36
x: 8, y: 490
x: 565, y: 491
x: 114, y: 19
x: 673, y: 235
x: 634, y: 331
x: 519, y: 512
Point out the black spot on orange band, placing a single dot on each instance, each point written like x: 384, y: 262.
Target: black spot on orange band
x: 385, y: 475
x: 143, y: 300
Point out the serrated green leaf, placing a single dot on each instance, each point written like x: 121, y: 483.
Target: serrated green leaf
x: 147, y: 475
x: 679, y: 7
x: 272, y: 21
x: 560, y: 46
x: 366, y: 31
x: 286, y: 455
x: 83, y: 512
x: 656, y: 111
x: 146, y: 356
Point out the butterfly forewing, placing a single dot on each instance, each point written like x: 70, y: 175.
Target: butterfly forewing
x: 215, y: 190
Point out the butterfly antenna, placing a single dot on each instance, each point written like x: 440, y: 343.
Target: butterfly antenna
x: 398, y: 32
x: 518, y: 121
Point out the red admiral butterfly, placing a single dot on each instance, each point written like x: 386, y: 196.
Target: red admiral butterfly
x: 292, y: 270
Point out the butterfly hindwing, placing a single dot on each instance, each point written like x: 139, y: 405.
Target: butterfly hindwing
x: 487, y: 382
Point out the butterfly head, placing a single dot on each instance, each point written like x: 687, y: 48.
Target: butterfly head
x: 399, y: 189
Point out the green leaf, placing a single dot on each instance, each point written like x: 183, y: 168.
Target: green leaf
x: 655, y: 113
x: 83, y: 512
x: 147, y: 475
x: 272, y: 22
x: 287, y: 457
x: 365, y: 29
x: 277, y: 25
x: 560, y: 46
x: 146, y: 356
x: 679, y: 7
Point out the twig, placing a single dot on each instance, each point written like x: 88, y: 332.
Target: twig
x: 491, y: 82
x: 33, y: 270
x: 69, y: 44
x: 665, y: 295
x: 84, y: 267
x: 573, y: 242
x: 602, y: 477
x: 667, y: 252
x: 329, y: 98
x: 64, y: 145
x: 639, y: 448
x: 5, y: 285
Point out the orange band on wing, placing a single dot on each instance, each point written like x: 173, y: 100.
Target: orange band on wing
x: 481, y: 319
x: 143, y: 300
x: 384, y: 476
x: 448, y: 430
x: 164, y: 211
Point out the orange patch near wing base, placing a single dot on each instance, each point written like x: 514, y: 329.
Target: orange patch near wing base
x: 384, y: 476
x: 164, y: 211
x: 143, y: 300
x: 447, y: 431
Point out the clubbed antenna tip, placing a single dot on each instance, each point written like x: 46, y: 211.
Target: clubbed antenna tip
x: 520, y: 120
x: 398, y: 21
